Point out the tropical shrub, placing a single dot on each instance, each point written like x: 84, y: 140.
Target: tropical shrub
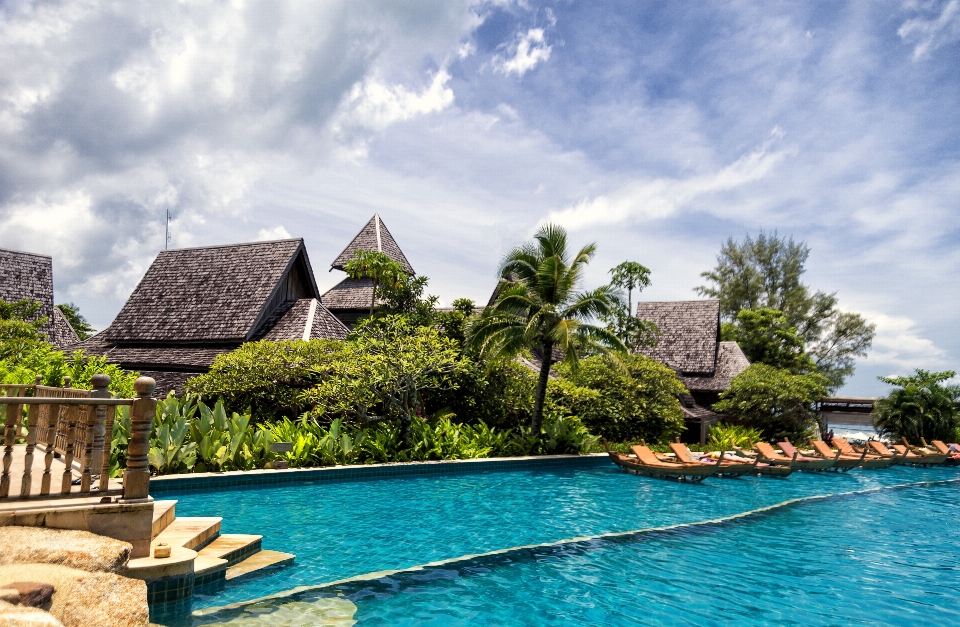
x: 171, y: 450
x: 723, y: 434
x: 773, y: 401
x: 636, y: 401
x: 53, y: 365
x: 266, y: 377
x: 922, y: 406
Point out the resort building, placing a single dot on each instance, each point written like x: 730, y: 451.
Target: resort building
x: 194, y: 304
x: 30, y: 276
x: 690, y: 344
x: 350, y: 299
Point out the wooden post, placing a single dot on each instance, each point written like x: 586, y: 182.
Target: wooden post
x: 53, y: 412
x: 27, y: 484
x: 136, y: 477
x: 73, y: 417
x: 93, y: 458
x: 111, y: 413
x: 11, y: 426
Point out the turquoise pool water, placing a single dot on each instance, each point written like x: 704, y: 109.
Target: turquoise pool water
x: 884, y: 555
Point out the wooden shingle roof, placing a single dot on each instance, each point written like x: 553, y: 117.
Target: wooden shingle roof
x: 30, y: 276
x: 689, y: 334
x: 374, y: 236
x: 349, y: 294
x: 305, y: 319
x: 214, y: 293
x: 731, y: 361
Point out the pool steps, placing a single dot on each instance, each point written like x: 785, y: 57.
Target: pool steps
x: 200, y: 555
x: 259, y: 562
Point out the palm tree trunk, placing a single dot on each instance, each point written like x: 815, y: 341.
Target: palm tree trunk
x: 541, y: 389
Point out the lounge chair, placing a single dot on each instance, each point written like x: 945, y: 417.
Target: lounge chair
x: 647, y: 463
x: 842, y: 462
x: 804, y: 462
x: 918, y: 456
x: 870, y: 460
x: 725, y: 467
x: 952, y: 451
x: 883, y: 450
x: 766, y: 468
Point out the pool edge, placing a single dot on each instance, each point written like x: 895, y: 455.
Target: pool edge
x: 205, y: 481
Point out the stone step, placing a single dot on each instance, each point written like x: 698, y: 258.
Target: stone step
x: 259, y: 562
x: 232, y: 547
x: 189, y: 533
x: 204, y: 565
x: 163, y: 514
x: 180, y: 563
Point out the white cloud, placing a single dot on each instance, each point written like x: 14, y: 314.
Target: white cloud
x: 530, y: 49
x: 931, y: 33
x: 659, y: 198
x: 900, y: 344
x: 375, y: 106
x: 273, y: 233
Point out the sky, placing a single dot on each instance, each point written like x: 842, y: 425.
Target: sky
x: 655, y: 129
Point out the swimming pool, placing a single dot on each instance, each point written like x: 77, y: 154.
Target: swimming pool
x: 880, y: 555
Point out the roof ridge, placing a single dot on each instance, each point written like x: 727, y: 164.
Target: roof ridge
x: 376, y: 217
x: 25, y: 252
x: 257, y: 243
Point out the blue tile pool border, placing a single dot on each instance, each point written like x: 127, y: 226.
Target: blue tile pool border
x: 212, y: 481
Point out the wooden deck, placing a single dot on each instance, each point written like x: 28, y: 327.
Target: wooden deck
x: 57, y: 468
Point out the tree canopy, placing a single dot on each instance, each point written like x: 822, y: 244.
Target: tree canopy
x: 773, y: 400
x: 765, y: 273
x: 80, y: 325
x: 921, y: 406
x: 767, y: 338
x: 538, y: 305
x: 621, y: 319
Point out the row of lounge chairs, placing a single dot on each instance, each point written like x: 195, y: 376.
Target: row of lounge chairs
x: 763, y: 459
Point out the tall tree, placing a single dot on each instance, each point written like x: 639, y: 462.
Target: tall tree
x: 538, y: 307
x: 630, y: 276
x: 766, y: 273
x: 80, y: 325
x: 767, y: 338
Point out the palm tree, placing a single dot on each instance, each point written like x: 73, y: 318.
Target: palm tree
x: 537, y: 307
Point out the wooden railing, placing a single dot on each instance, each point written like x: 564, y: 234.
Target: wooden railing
x: 77, y: 424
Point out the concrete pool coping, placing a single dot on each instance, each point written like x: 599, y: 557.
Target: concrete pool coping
x: 239, y: 478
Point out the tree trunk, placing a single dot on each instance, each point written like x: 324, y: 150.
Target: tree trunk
x: 541, y: 389
x: 373, y: 297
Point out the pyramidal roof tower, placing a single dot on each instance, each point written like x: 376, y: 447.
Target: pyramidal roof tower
x: 350, y: 299
x: 373, y: 237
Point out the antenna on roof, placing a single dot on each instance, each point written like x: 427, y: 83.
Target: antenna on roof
x: 166, y: 244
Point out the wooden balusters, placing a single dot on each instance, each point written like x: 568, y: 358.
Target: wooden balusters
x: 53, y: 417
x: 93, y: 433
x: 111, y: 413
x: 26, y: 485
x: 73, y: 417
x: 11, y: 426
x: 136, y: 478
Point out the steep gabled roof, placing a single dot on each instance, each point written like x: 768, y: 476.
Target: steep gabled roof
x: 349, y: 294
x: 305, y: 319
x: 374, y: 237
x: 30, y: 276
x: 731, y: 361
x: 689, y: 334
x: 214, y: 293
